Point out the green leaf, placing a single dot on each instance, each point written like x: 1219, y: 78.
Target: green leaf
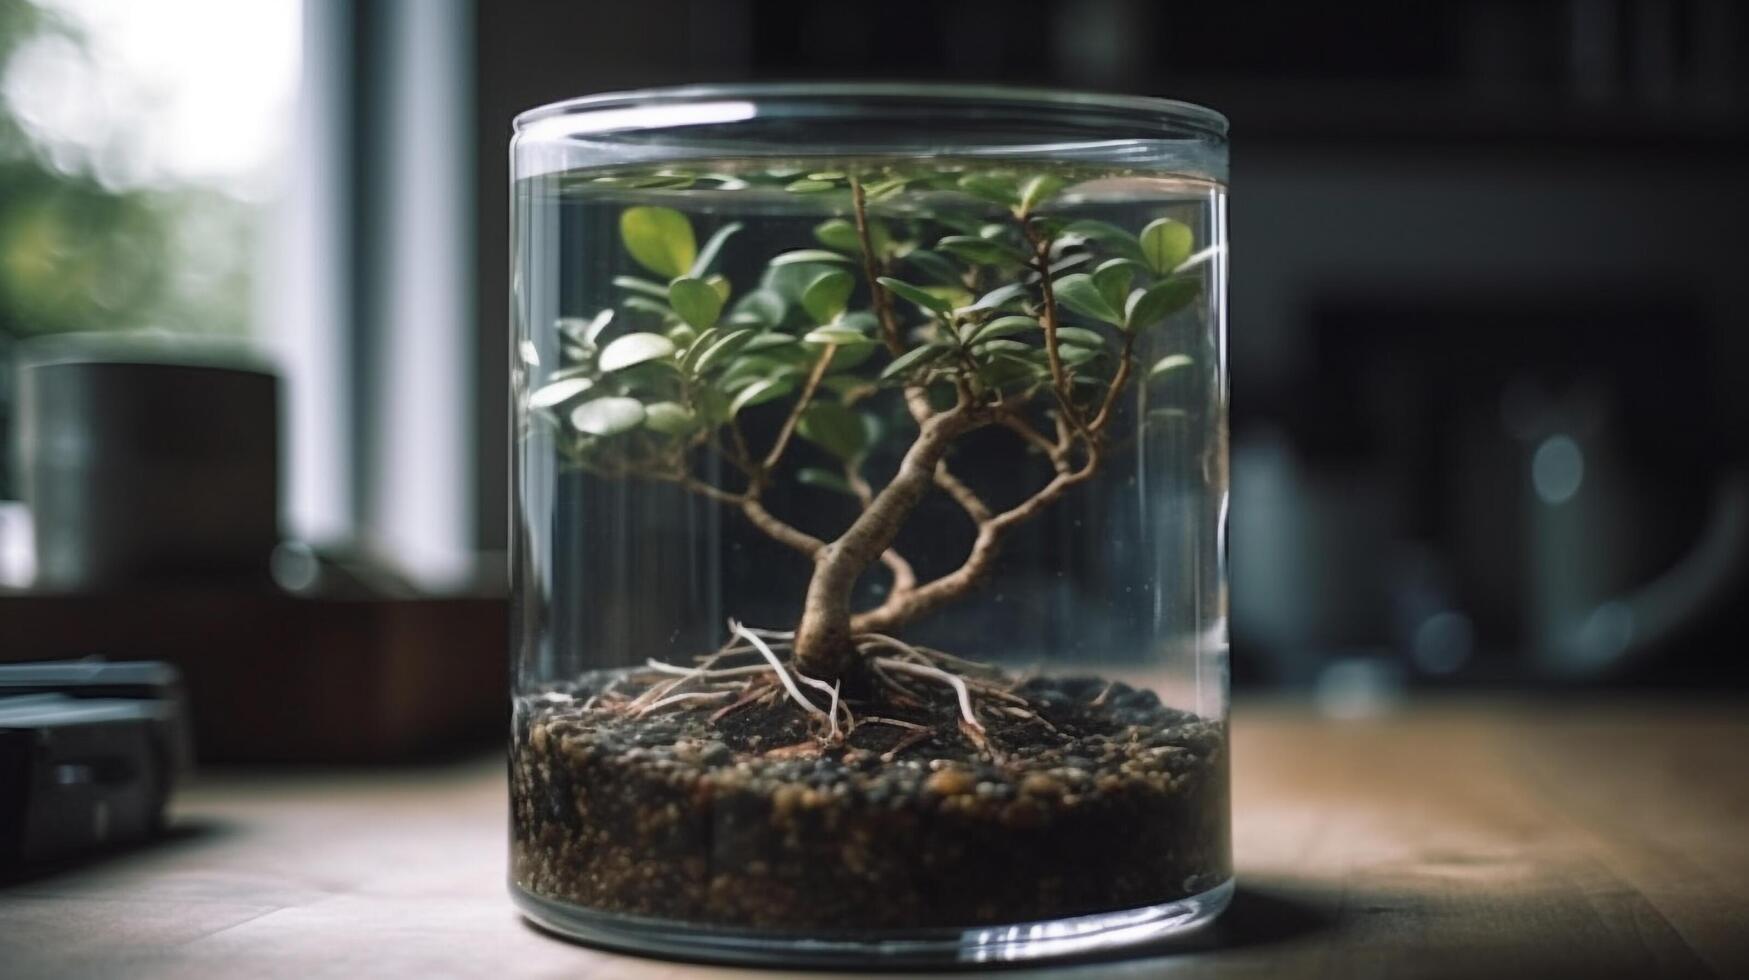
x: 654, y: 290
x: 1161, y: 300
x: 1002, y: 326
x: 1080, y: 336
x: 760, y: 392
x: 1078, y: 292
x: 1003, y: 369
x: 825, y: 479
x: 660, y: 239
x: 880, y: 190
x: 644, y: 304
x: 915, y: 294
x: 807, y: 255
x: 721, y: 285
x: 825, y: 297
x: 986, y: 348
x: 809, y: 186
x: 982, y: 251
x: 584, y: 331
x: 682, y: 334
x: 834, y: 428
x: 695, y: 301
x: 592, y: 333
x: 1165, y: 244
x: 1109, y: 235
x: 840, y: 336
x: 651, y: 378
x: 634, y: 348
x: 1171, y: 362
x: 849, y: 356
x: 1038, y: 190
x: 1113, y: 278
x: 719, y: 350
x: 767, y: 341
x: 608, y: 416
x: 669, y: 418
x: 550, y: 395
x: 1075, y: 356
x: 761, y: 307
x: 712, y: 246
x: 914, y: 358
x: 838, y: 234
x: 1000, y: 296
x: 996, y: 188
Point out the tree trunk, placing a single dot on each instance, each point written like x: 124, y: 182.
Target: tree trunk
x: 823, y: 646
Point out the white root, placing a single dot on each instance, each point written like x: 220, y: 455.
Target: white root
x: 895, y: 722
x: 783, y: 675
x: 831, y: 712
x: 738, y: 650
x: 707, y: 673
x: 770, y: 634
x: 689, y: 696
x: 936, y: 673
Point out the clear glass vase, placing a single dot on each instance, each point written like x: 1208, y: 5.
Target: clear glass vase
x: 870, y: 498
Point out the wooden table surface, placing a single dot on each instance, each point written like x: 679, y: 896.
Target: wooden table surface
x: 1465, y: 839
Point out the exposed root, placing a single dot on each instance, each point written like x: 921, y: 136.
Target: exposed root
x: 772, y: 678
x: 783, y: 675
x: 690, y: 696
x: 831, y: 690
x: 703, y: 673
x: 753, y: 693
x: 895, y: 722
x: 901, y: 693
x: 923, y: 734
x: 936, y: 673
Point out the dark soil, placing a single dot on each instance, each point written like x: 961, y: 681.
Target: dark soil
x: 1117, y: 802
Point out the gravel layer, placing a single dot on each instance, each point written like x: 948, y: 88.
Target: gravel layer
x: 1112, y: 801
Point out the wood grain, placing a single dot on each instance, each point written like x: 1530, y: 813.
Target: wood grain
x: 1456, y: 839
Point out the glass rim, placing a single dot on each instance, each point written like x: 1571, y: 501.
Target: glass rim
x: 1174, y: 118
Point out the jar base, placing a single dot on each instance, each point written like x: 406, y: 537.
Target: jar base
x: 1102, y: 932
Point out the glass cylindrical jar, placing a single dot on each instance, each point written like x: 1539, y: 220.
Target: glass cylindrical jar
x: 870, y: 491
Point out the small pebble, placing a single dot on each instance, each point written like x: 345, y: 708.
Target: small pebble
x: 950, y: 782
x: 1039, y: 784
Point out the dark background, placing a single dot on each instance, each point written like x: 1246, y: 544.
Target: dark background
x: 1487, y: 302
x: 1487, y: 306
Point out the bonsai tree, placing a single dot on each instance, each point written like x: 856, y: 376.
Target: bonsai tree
x: 1030, y: 325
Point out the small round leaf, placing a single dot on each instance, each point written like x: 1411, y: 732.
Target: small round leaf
x: 839, y: 336
x: 914, y: 358
x: 1078, y: 292
x: 634, y: 348
x: 608, y: 416
x: 1166, y: 243
x: 547, y: 396
x: 660, y: 239
x: 695, y: 301
x: 1171, y: 362
x: 826, y: 295
x: 915, y: 294
x: 669, y: 418
x: 1161, y: 300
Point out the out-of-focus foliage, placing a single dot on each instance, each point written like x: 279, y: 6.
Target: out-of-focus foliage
x: 80, y: 254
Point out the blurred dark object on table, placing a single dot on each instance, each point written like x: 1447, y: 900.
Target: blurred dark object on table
x: 142, y: 465
x: 150, y: 470
x: 273, y: 677
x: 90, y: 753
